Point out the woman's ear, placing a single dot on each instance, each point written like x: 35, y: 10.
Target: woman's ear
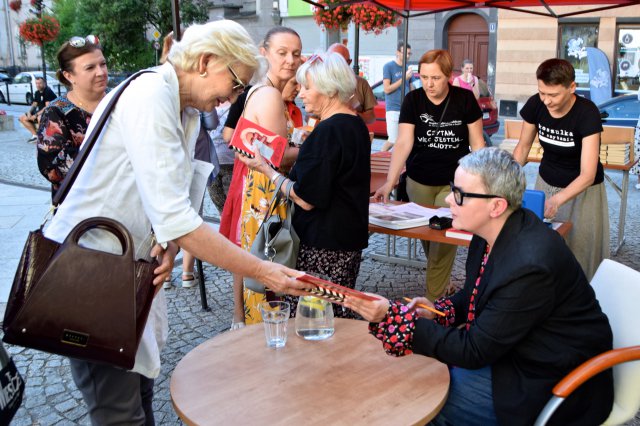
x: 67, y: 75
x: 498, y: 207
x: 205, y: 60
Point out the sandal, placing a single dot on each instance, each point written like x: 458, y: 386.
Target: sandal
x: 237, y: 325
x: 190, y: 281
x: 167, y: 283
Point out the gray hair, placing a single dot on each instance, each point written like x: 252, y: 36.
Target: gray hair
x: 226, y: 39
x: 330, y: 74
x: 499, y: 172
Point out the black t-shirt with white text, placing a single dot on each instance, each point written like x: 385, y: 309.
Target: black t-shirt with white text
x: 562, y: 137
x: 332, y: 173
x: 436, y: 150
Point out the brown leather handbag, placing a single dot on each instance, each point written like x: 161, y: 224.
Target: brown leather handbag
x: 80, y: 302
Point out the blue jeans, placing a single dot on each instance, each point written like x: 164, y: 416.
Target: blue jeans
x: 470, y: 400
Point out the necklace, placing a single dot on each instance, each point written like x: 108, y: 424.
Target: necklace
x: 270, y: 82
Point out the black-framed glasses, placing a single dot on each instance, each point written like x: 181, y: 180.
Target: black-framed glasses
x: 459, y: 194
x: 239, y: 87
x: 82, y: 41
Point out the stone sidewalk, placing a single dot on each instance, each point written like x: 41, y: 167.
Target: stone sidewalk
x: 51, y: 397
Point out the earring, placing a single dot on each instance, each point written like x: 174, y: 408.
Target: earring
x: 203, y: 75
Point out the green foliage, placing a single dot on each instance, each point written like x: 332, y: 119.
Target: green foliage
x: 122, y: 26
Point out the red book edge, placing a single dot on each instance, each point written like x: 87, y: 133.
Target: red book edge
x: 244, y: 135
x: 328, y: 285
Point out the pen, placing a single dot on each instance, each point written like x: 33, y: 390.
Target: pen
x: 428, y: 308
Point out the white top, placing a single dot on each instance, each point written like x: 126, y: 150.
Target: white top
x: 138, y: 173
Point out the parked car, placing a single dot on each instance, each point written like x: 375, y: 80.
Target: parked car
x: 620, y: 111
x: 23, y: 85
x: 488, y: 106
x: 4, y: 78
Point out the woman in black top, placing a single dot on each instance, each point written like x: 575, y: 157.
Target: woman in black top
x: 331, y: 175
x: 439, y: 124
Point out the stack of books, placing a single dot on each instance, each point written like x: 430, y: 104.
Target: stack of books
x: 535, y: 153
x: 616, y: 154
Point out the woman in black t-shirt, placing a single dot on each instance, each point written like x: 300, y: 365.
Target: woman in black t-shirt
x: 439, y: 124
x: 570, y: 174
x: 331, y: 176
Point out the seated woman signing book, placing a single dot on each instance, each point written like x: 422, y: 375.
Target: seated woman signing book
x: 331, y: 176
x: 525, y: 318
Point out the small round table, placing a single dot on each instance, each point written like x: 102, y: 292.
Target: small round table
x: 234, y: 378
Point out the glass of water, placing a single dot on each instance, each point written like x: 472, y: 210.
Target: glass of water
x: 314, y: 318
x: 275, y: 316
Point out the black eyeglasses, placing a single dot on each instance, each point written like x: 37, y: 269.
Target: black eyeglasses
x: 459, y: 194
x: 240, y: 87
x: 78, y: 42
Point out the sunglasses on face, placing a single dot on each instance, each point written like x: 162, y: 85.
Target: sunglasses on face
x: 81, y: 42
x: 239, y: 87
x: 459, y: 194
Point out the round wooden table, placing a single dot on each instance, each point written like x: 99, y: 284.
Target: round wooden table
x: 235, y: 379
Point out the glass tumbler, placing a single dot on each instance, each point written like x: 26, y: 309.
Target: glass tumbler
x: 314, y: 318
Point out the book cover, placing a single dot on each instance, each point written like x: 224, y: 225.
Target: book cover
x: 459, y: 233
x: 399, y: 216
x: 248, y: 136
x: 331, y: 291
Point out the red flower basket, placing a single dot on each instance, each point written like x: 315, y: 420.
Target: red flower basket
x: 40, y: 30
x: 332, y: 19
x: 373, y: 19
x: 15, y: 5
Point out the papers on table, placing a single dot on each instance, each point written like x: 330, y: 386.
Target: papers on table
x: 400, y: 216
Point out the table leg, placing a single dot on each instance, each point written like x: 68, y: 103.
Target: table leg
x: 623, y: 210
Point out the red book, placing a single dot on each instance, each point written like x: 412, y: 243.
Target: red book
x: 459, y: 233
x: 248, y: 137
x: 331, y: 291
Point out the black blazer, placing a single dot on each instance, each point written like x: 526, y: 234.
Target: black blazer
x: 537, y: 318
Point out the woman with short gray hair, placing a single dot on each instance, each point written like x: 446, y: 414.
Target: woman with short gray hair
x: 331, y: 176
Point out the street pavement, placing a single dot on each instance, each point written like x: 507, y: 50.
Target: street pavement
x: 51, y: 397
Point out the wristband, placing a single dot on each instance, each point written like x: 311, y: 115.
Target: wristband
x: 275, y: 176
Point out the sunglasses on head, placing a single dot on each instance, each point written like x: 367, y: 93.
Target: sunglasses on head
x: 459, y: 194
x: 239, y: 87
x: 81, y: 42
x: 313, y: 58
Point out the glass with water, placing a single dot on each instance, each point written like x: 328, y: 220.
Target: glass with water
x: 314, y: 318
x: 275, y: 316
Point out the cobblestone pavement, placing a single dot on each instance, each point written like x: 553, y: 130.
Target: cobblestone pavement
x: 51, y: 397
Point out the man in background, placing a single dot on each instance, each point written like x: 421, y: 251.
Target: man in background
x: 363, y: 100
x: 392, y: 82
x: 41, y: 98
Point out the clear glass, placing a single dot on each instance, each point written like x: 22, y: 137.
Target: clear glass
x: 275, y: 316
x: 314, y: 318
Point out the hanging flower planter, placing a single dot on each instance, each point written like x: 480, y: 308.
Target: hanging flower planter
x: 373, y: 19
x: 15, y: 5
x: 40, y: 30
x: 332, y: 19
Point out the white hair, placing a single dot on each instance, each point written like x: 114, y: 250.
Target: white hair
x: 226, y: 39
x: 330, y: 74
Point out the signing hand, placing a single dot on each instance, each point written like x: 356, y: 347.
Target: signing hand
x: 382, y: 194
x: 423, y: 313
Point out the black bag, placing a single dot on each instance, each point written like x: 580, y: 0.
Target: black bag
x: 78, y: 302
x: 11, y: 387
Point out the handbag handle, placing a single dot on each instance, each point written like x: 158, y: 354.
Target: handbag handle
x: 90, y: 141
x: 106, y: 224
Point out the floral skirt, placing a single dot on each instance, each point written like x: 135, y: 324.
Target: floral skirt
x: 338, y: 266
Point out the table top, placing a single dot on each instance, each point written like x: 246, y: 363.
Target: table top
x: 234, y: 378
x: 439, y: 236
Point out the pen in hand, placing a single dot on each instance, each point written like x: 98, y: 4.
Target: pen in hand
x: 428, y: 308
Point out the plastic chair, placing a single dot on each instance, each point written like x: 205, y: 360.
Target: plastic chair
x: 617, y: 289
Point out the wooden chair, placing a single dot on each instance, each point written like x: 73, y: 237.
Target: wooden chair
x: 617, y: 288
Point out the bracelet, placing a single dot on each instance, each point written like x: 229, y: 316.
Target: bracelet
x: 275, y: 176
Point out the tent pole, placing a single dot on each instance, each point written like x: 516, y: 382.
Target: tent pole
x: 356, y: 51
x: 175, y: 14
x: 404, y: 57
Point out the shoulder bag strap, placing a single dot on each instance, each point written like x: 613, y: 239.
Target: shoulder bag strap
x: 443, y: 112
x: 90, y: 141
